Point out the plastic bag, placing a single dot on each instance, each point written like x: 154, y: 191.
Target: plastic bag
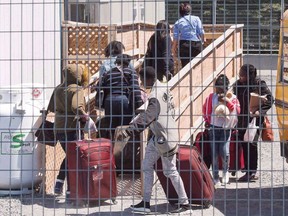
x: 251, y: 131
x: 90, y: 126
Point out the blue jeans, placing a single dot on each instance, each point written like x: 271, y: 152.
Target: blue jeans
x: 117, y: 112
x: 219, y: 143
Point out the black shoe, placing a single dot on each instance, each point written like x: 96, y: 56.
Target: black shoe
x: 181, y: 208
x: 67, y: 197
x: 141, y: 207
x: 248, y: 178
x: 58, y: 189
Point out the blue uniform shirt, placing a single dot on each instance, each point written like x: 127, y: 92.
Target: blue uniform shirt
x: 188, y: 28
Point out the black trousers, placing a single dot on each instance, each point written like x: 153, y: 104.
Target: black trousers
x: 250, y: 151
x: 189, y: 50
x: 63, y: 139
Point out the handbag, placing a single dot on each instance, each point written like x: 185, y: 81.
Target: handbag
x: 267, y: 132
x: 45, y: 133
x: 251, y: 131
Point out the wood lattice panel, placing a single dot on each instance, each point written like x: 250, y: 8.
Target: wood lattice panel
x: 93, y: 65
x: 87, y: 40
x: 87, y: 43
x: 54, y: 157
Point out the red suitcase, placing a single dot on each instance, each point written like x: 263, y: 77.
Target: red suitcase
x: 91, y: 170
x: 236, y: 152
x: 203, y: 146
x: 197, y: 179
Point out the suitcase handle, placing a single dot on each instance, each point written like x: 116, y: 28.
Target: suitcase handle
x: 79, y: 130
x: 79, y: 133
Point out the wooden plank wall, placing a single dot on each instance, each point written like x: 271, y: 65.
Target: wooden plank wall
x: 194, y: 82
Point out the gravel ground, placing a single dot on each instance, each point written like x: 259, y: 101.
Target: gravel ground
x: 268, y: 196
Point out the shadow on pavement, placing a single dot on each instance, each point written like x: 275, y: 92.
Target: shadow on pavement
x: 252, y: 201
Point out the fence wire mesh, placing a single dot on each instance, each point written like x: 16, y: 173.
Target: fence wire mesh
x: 168, y: 86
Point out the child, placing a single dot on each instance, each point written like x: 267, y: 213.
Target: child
x: 162, y: 144
x: 220, y: 125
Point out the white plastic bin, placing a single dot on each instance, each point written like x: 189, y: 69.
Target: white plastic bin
x: 22, y: 159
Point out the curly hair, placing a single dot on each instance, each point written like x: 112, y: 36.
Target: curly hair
x: 114, y: 48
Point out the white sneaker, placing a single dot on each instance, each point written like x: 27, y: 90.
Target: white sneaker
x: 225, y: 178
x: 217, y: 183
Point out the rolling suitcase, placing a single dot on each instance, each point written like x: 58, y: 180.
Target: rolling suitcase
x: 126, y: 152
x: 91, y: 170
x: 196, y: 177
x: 203, y: 146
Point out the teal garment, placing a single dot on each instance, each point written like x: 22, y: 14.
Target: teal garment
x: 108, y: 64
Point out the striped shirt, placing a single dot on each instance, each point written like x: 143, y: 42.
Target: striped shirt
x: 113, y: 82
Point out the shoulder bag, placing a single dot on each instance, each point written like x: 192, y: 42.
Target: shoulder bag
x: 267, y: 132
x: 45, y: 133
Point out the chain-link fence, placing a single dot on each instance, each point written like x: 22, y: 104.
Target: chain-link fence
x: 169, y: 86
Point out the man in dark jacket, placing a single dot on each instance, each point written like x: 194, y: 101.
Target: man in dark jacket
x: 246, y: 84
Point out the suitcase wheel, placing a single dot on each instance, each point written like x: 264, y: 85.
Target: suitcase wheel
x: 206, y: 203
x: 114, y: 201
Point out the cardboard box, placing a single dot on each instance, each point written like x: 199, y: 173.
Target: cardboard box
x: 256, y: 101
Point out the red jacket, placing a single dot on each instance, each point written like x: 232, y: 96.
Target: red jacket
x: 207, y: 107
